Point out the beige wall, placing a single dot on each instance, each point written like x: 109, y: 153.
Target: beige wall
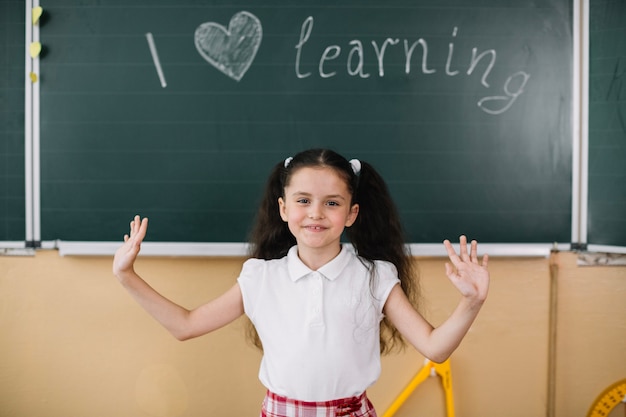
x: 75, y: 344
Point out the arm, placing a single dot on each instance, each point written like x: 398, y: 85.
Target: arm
x: 472, y: 281
x: 182, y: 323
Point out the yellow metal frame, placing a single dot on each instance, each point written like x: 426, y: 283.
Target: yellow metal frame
x: 429, y: 369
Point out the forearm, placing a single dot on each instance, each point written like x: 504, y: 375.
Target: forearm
x: 444, y: 339
x: 170, y: 315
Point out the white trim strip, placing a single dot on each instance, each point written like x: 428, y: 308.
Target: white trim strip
x: 186, y: 249
x: 15, y: 248
x: 577, y: 128
x: 191, y: 249
x: 28, y: 126
x: 493, y: 249
x: 36, y: 140
x: 12, y: 245
x: 584, y: 124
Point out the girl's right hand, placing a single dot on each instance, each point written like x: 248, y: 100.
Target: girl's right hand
x: 125, y: 256
x: 468, y: 273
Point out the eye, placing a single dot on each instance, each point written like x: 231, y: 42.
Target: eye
x: 302, y: 200
x: 333, y: 203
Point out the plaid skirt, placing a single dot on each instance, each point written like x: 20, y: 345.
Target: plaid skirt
x: 278, y: 406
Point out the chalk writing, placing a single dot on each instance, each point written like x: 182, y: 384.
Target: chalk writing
x: 355, y: 64
x: 615, y: 89
x: 230, y: 50
x: 155, y: 59
x: 510, y: 96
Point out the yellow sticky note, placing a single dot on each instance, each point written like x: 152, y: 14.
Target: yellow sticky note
x: 37, y: 12
x: 35, y: 49
x: 33, y: 77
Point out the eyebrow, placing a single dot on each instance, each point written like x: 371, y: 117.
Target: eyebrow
x: 305, y: 194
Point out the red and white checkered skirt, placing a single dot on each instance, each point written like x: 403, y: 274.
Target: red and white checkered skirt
x: 279, y: 406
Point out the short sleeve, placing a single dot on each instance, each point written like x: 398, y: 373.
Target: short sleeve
x: 250, y: 282
x: 386, y: 279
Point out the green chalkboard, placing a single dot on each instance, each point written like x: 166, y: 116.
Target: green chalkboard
x: 465, y: 108
x: 607, y: 123
x: 12, y: 70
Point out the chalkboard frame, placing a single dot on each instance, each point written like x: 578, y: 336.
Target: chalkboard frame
x: 578, y: 219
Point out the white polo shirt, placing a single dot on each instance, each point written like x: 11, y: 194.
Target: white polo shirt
x: 319, y: 329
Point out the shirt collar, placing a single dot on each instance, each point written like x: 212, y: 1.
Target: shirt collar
x: 297, y: 268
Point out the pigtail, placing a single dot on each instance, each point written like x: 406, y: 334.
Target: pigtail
x: 377, y: 234
x: 270, y: 237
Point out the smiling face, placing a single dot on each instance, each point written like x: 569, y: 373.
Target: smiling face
x: 317, y: 206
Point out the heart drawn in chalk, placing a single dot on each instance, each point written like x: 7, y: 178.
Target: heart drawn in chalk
x: 230, y: 50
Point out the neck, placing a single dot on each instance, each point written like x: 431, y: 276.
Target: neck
x: 317, y: 258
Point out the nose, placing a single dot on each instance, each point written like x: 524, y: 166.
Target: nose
x: 315, y: 212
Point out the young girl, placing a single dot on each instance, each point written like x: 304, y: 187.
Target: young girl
x: 322, y: 312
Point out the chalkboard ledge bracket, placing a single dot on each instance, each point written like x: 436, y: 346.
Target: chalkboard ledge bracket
x: 15, y: 248
x: 34, y: 244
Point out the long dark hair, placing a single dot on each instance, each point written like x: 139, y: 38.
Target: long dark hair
x: 377, y: 233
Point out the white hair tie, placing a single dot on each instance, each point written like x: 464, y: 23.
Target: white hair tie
x: 356, y: 166
x: 288, y: 161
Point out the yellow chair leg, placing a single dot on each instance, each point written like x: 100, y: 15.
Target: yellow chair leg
x: 429, y: 369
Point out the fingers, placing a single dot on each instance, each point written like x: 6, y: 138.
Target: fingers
x: 143, y: 228
x: 463, y: 249
x: 138, y: 228
x: 474, y: 251
x: 451, y: 253
x: 464, y: 270
x: 135, y: 224
x: 464, y: 256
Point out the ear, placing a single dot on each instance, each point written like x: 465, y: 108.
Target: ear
x: 354, y: 213
x: 282, y: 209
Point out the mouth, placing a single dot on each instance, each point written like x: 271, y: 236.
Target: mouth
x: 314, y: 228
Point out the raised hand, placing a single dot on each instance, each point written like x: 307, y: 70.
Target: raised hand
x: 469, y: 276
x: 125, y: 256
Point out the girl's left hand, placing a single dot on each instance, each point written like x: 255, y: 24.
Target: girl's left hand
x: 469, y: 276
x: 125, y: 256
